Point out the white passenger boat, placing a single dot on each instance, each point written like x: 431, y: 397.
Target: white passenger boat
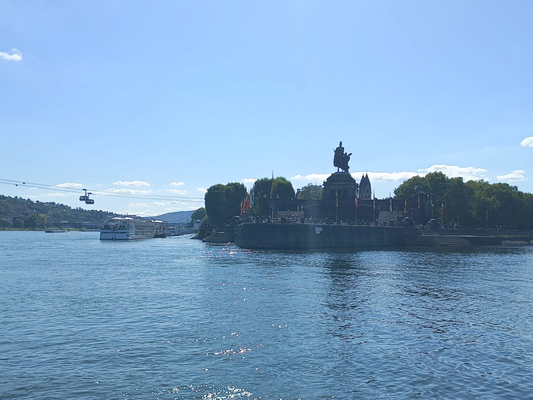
x: 127, y: 228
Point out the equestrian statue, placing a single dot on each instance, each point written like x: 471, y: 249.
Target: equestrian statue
x: 341, y: 159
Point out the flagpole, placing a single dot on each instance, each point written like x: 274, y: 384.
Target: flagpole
x: 356, y: 204
x: 374, y: 210
x: 355, y: 207
x: 336, y: 203
x: 271, y: 195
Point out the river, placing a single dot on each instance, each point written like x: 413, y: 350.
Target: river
x: 175, y: 318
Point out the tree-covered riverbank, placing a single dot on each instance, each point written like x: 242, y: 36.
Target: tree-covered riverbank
x: 18, y: 213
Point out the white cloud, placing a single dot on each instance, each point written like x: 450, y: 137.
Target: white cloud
x: 156, y: 204
x: 177, y: 191
x: 527, y: 142
x: 517, y: 175
x: 70, y: 185
x: 138, y: 213
x: 454, y: 171
x: 386, y: 176
x: 177, y: 183
x: 319, y: 178
x: 131, y: 183
x: 248, y: 181
x: 203, y: 190
x: 16, y: 56
x: 57, y: 194
x: 139, y: 205
x: 127, y: 191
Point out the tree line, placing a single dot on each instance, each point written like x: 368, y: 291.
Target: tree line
x: 470, y: 204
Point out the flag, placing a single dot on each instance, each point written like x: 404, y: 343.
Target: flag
x: 404, y: 205
x: 357, y: 197
x: 252, y: 198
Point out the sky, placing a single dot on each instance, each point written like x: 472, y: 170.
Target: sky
x: 149, y: 103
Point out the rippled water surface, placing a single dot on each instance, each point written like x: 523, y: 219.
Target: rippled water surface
x: 178, y: 319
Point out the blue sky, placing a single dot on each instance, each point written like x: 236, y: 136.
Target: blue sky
x: 149, y: 103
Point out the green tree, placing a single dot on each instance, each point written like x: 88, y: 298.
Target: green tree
x: 222, y: 202
x: 18, y: 223
x: 4, y: 223
x: 235, y: 194
x: 311, y: 192
x: 485, y: 205
x: 459, y: 201
x: 266, y: 188
x: 215, y: 198
x: 411, y: 187
x: 35, y: 221
x: 283, y: 189
x: 262, y: 190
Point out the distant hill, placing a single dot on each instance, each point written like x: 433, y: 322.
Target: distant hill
x: 17, y: 207
x: 178, y: 217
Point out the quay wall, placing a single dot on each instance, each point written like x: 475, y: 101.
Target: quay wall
x: 318, y: 236
x: 324, y: 236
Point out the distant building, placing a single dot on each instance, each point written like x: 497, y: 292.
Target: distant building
x: 196, y: 226
x: 365, y: 188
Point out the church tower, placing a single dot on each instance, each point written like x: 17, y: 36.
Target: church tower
x: 365, y: 189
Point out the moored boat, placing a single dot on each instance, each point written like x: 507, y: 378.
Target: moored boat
x: 128, y: 228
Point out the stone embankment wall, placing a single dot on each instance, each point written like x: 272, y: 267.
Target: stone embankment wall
x: 320, y: 236
x: 311, y: 236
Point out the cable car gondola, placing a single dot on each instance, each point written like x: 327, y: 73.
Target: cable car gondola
x: 86, y: 198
